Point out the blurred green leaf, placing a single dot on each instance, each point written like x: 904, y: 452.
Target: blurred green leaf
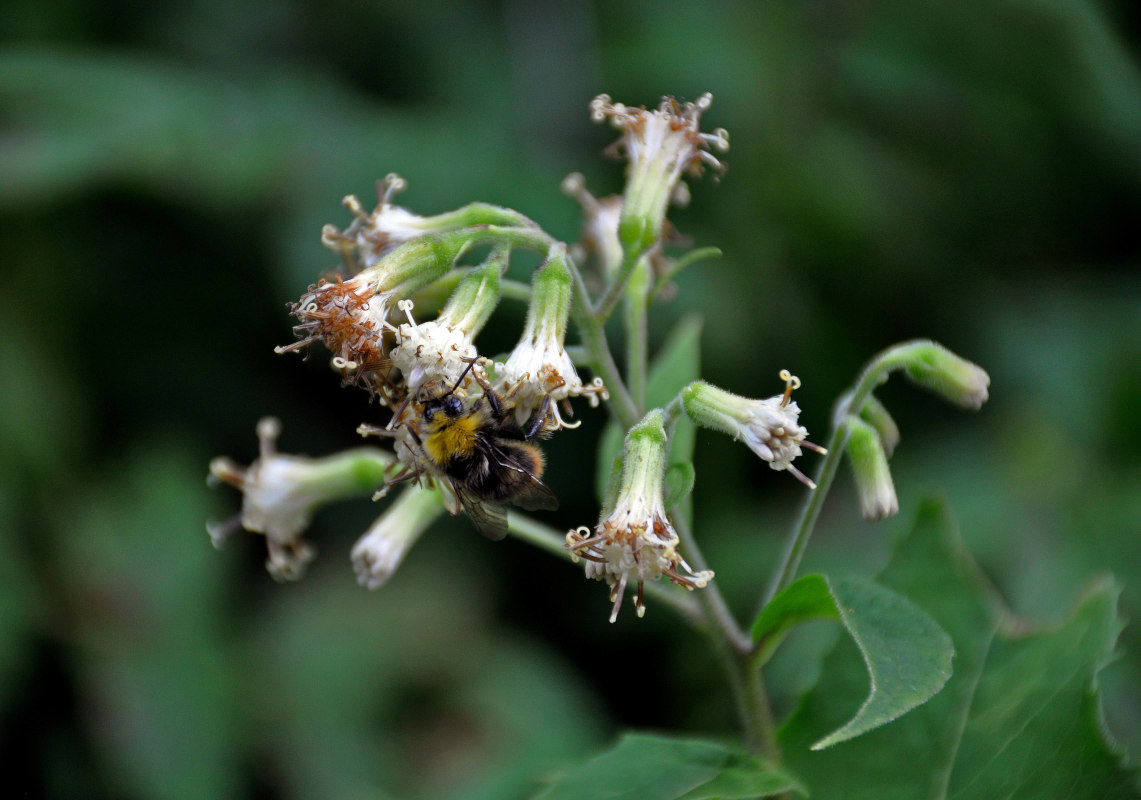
x: 144, y: 595
x: 21, y: 604
x: 413, y: 690
x: 1019, y: 718
x: 651, y: 767
x: 908, y: 656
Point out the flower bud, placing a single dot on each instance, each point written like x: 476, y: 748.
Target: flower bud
x: 875, y: 414
x: 938, y: 370
x: 869, y: 466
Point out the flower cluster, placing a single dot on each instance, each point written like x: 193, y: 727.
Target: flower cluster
x: 391, y: 255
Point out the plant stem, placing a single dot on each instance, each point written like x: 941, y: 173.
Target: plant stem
x: 605, y: 306
x: 733, y: 648
x: 872, y: 376
x: 637, y: 346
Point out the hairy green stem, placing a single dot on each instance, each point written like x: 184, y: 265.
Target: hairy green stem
x: 637, y: 345
x: 606, y: 304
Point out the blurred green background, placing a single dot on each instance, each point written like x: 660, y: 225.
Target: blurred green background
x: 968, y: 171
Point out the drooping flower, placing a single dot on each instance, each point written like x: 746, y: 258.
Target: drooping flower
x: 769, y: 427
x: 350, y: 316
x: 442, y: 349
x: 378, y: 553
x: 660, y: 146
x: 373, y: 235
x: 868, y: 458
x: 280, y: 493
x: 539, y: 365
x: 636, y: 542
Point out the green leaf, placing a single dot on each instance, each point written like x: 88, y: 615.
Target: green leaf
x: 679, y: 483
x: 651, y: 767
x: 908, y: 656
x: 1019, y: 718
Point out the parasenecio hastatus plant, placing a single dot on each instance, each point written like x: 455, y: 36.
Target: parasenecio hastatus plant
x: 461, y: 430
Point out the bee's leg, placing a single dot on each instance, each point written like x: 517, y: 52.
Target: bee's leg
x: 539, y: 420
x: 492, y: 396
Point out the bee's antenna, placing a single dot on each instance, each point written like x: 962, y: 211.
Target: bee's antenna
x: 463, y: 375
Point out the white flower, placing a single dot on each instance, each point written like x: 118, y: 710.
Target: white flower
x: 769, y: 427
x: 378, y: 553
x: 372, y: 236
x: 637, y: 542
x: 274, y: 502
x: 660, y: 146
x: 430, y: 351
x: 539, y: 365
x: 280, y: 493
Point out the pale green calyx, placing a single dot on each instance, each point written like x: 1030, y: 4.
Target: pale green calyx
x: 869, y: 466
x: 644, y: 463
x: 476, y: 297
x: 378, y: 553
x: 660, y: 147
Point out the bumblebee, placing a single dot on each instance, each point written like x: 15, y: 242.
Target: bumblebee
x: 487, y: 457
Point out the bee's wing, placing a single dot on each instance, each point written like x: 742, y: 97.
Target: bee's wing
x: 533, y: 494
x: 490, y: 519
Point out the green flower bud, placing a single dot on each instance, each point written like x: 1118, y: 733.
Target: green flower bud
x: 875, y: 414
x: 938, y: 370
x: 869, y: 466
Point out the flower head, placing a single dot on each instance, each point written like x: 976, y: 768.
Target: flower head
x: 770, y: 427
x: 442, y: 349
x: 637, y: 542
x: 539, y: 365
x: 660, y: 146
x: 378, y: 553
x: 350, y: 316
x: 280, y: 493
x: 371, y: 236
